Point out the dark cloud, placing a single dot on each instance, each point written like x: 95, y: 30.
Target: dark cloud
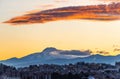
x: 91, y: 12
x: 76, y: 52
x: 102, y: 52
x: 67, y: 52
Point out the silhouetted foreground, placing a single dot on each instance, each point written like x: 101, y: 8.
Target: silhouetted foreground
x: 79, y: 70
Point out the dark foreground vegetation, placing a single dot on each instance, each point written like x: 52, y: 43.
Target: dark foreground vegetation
x: 79, y: 70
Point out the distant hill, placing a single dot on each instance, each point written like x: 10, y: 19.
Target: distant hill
x: 54, y: 56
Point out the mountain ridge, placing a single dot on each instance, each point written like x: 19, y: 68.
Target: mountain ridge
x: 52, y: 55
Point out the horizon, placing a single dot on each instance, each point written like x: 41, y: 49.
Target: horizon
x: 99, y: 36
x: 59, y: 52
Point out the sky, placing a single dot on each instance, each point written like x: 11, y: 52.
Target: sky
x: 21, y: 40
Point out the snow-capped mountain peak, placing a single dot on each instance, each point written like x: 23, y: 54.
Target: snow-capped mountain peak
x: 55, y: 56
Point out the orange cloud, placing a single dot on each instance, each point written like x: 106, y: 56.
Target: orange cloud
x: 91, y: 12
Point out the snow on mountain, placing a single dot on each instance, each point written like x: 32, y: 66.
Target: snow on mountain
x: 54, y: 56
x: 53, y: 53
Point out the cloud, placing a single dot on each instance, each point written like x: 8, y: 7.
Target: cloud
x: 60, y: 1
x: 117, y: 50
x: 67, y: 52
x: 103, y: 52
x: 51, y: 51
x: 110, y: 0
x: 76, y: 52
x: 91, y: 12
x: 47, y: 6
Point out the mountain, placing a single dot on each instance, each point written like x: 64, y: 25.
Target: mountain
x: 54, y: 56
